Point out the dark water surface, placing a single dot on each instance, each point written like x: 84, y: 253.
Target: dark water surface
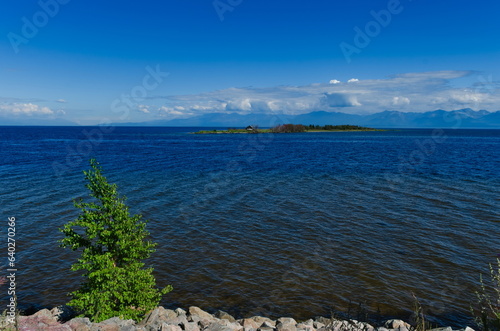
x: 290, y: 224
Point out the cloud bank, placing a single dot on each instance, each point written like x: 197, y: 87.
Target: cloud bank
x: 409, y: 92
x: 28, y: 109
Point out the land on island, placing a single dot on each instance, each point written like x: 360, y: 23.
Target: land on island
x: 291, y: 128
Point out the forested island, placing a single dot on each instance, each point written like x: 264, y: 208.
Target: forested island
x: 291, y: 128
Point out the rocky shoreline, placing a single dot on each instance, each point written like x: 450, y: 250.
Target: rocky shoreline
x: 195, y: 319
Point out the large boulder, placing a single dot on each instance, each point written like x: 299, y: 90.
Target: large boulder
x: 154, y: 320
x: 190, y: 326
x: 197, y: 315
x: 42, y: 320
x: 63, y: 313
x: 114, y: 324
x: 249, y: 324
x: 261, y: 320
x: 224, y: 316
x: 196, y: 311
x: 351, y: 325
x: 397, y: 324
x: 79, y: 324
x: 170, y: 327
x: 224, y: 325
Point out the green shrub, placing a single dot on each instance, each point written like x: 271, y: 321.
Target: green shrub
x: 488, y: 311
x: 113, y: 245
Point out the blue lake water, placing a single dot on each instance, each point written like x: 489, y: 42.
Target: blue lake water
x: 276, y: 225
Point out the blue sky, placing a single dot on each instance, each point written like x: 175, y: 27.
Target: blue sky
x: 89, y: 61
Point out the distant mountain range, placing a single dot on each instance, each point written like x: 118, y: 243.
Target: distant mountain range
x: 463, y: 118
x: 6, y: 121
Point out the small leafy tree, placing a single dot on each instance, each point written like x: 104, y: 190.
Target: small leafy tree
x: 113, y: 244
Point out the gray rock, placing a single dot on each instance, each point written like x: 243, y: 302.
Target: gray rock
x: 265, y: 328
x: 318, y: 325
x: 323, y: 320
x: 442, y: 329
x: 287, y: 320
x: 177, y: 320
x: 79, y: 324
x: 170, y: 314
x: 396, y: 324
x: 97, y: 327
x: 44, y: 313
x: 41, y: 320
x: 154, y: 320
x: 268, y: 324
x: 306, y: 326
x: 223, y: 315
x: 190, y: 326
x: 286, y: 327
x: 128, y: 328
x: 260, y: 320
x: 309, y: 322
x: 351, y: 325
x: 226, y: 323
x: 114, y: 323
x: 250, y: 323
x: 199, y: 312
x: 152, y: 316
x: 170, y: 327
x: 63, y: 313
x: 286, y: 324
x: 223, y: 325
x: 201, y: 317
x: 180, y: 311
x: 466, y: 329
x: 117, y: 321
x: 202, y: 322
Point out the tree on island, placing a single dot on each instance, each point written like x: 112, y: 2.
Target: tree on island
x: 113, y: 244
x: 288, y: 128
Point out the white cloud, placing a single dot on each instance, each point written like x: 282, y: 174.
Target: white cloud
x: 24, y: 109
x: 61, y: 101
x: 334, y: 81
x: 400, y: 101
x: 143, y: 109
x: 341, y: 100
x: 353, y: 80
x: 173, y: 112
x: 416, y: 92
